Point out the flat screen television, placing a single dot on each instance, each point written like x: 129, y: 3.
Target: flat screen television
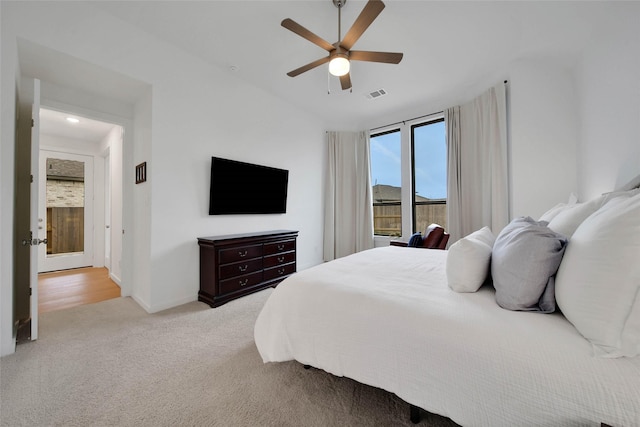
x: 245, y: 188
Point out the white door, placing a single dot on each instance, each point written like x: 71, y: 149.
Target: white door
x: 34, y: 196
x: 65, y: 211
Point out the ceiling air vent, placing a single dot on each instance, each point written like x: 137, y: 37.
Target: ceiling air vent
x: 376, y: 94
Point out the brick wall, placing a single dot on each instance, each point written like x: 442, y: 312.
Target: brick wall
x: 65, y: 194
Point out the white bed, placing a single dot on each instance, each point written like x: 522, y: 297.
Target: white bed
x: 386, y: 317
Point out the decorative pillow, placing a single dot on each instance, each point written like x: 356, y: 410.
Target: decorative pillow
x: 415, y: 240
x: 468, y: 261
x: 525, y: 259
x: 598, y: 283
x: 567, y: 221
x: 484, y: 235
x: 551, y: 213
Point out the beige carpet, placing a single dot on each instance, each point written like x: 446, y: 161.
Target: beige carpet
x: 112, y: 364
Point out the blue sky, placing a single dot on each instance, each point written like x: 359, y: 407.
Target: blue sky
x: 430, y: 158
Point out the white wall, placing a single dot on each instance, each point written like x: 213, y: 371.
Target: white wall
x: 242, y: 124
x: 609, y: 87
x: 141, y: 274
x: 544, y: 135
x: 194, y: 111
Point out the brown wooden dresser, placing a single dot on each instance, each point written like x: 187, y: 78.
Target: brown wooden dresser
x: 235, y: 265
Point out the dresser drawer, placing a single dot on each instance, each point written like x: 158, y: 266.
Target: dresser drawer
x: 278, y: 272
x: 279, y: 247
x: 279, y: 259
x: 240, y: 253
x: 240, y: 282
x: 241, y: 268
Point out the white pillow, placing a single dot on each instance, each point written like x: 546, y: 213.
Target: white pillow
x: 567, y: 221
x: 554, y: 211
x: 484, y: 235
x: 551, y: 213
x: 622, y: 193
x: 468, y: 261
x: 598, y: 282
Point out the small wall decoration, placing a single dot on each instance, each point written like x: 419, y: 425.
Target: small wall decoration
x: 141, y: 172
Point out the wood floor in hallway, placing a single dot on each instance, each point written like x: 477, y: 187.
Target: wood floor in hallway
x: 68, y: 288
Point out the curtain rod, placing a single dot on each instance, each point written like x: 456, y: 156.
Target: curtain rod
x: 404, y: 122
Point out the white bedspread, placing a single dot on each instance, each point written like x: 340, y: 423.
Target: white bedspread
x: 386, y: 318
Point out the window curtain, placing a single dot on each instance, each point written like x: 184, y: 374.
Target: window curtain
x: 477, y: 169
x: 348, y: 219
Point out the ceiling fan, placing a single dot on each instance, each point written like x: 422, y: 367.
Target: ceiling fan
x: 340, y: 52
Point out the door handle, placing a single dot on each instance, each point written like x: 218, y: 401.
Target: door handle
x: 34, y: 242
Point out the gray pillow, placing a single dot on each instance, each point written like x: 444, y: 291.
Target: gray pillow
x: 524, y: 261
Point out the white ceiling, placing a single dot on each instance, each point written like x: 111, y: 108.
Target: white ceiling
x: 452, y: 49
x: 448, y: 46
x: 55, y: 123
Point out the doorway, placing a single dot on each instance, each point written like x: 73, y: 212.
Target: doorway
x: 76, y: 208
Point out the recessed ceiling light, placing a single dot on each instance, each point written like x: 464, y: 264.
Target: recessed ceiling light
x: 72, y: 120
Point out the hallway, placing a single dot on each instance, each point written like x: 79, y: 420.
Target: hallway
x: 59, y: 290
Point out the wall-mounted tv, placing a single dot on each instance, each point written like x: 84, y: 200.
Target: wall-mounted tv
x: 245, y: 188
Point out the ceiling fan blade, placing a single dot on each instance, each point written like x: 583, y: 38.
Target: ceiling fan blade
x: 386, y: 57
x: 308, y: 67
x: 370, y: 12
x: 291, y: 25
x: 345, y: 81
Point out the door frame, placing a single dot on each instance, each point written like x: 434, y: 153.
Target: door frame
x: 122, y: 171
x: 34, y: 196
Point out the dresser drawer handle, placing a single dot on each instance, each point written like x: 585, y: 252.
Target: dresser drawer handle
x: 281, y: 271
x: 280, y: 259
x: 243, y: 282
x: 242, y: 253
x: 280, y: 247
x: 243, y: 267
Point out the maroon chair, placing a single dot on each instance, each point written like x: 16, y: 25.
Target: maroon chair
x: 434, y: 237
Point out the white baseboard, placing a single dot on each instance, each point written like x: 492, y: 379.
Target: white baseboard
x: 115, y: 279
x: 141, y: 303
x: 160, y: 307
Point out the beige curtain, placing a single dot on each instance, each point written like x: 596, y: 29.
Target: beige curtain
x: 348, y: 219
x: 477, y: 169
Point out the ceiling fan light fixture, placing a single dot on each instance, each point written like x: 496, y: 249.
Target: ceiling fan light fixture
x: 340, y: 53
x: 339, y: 65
